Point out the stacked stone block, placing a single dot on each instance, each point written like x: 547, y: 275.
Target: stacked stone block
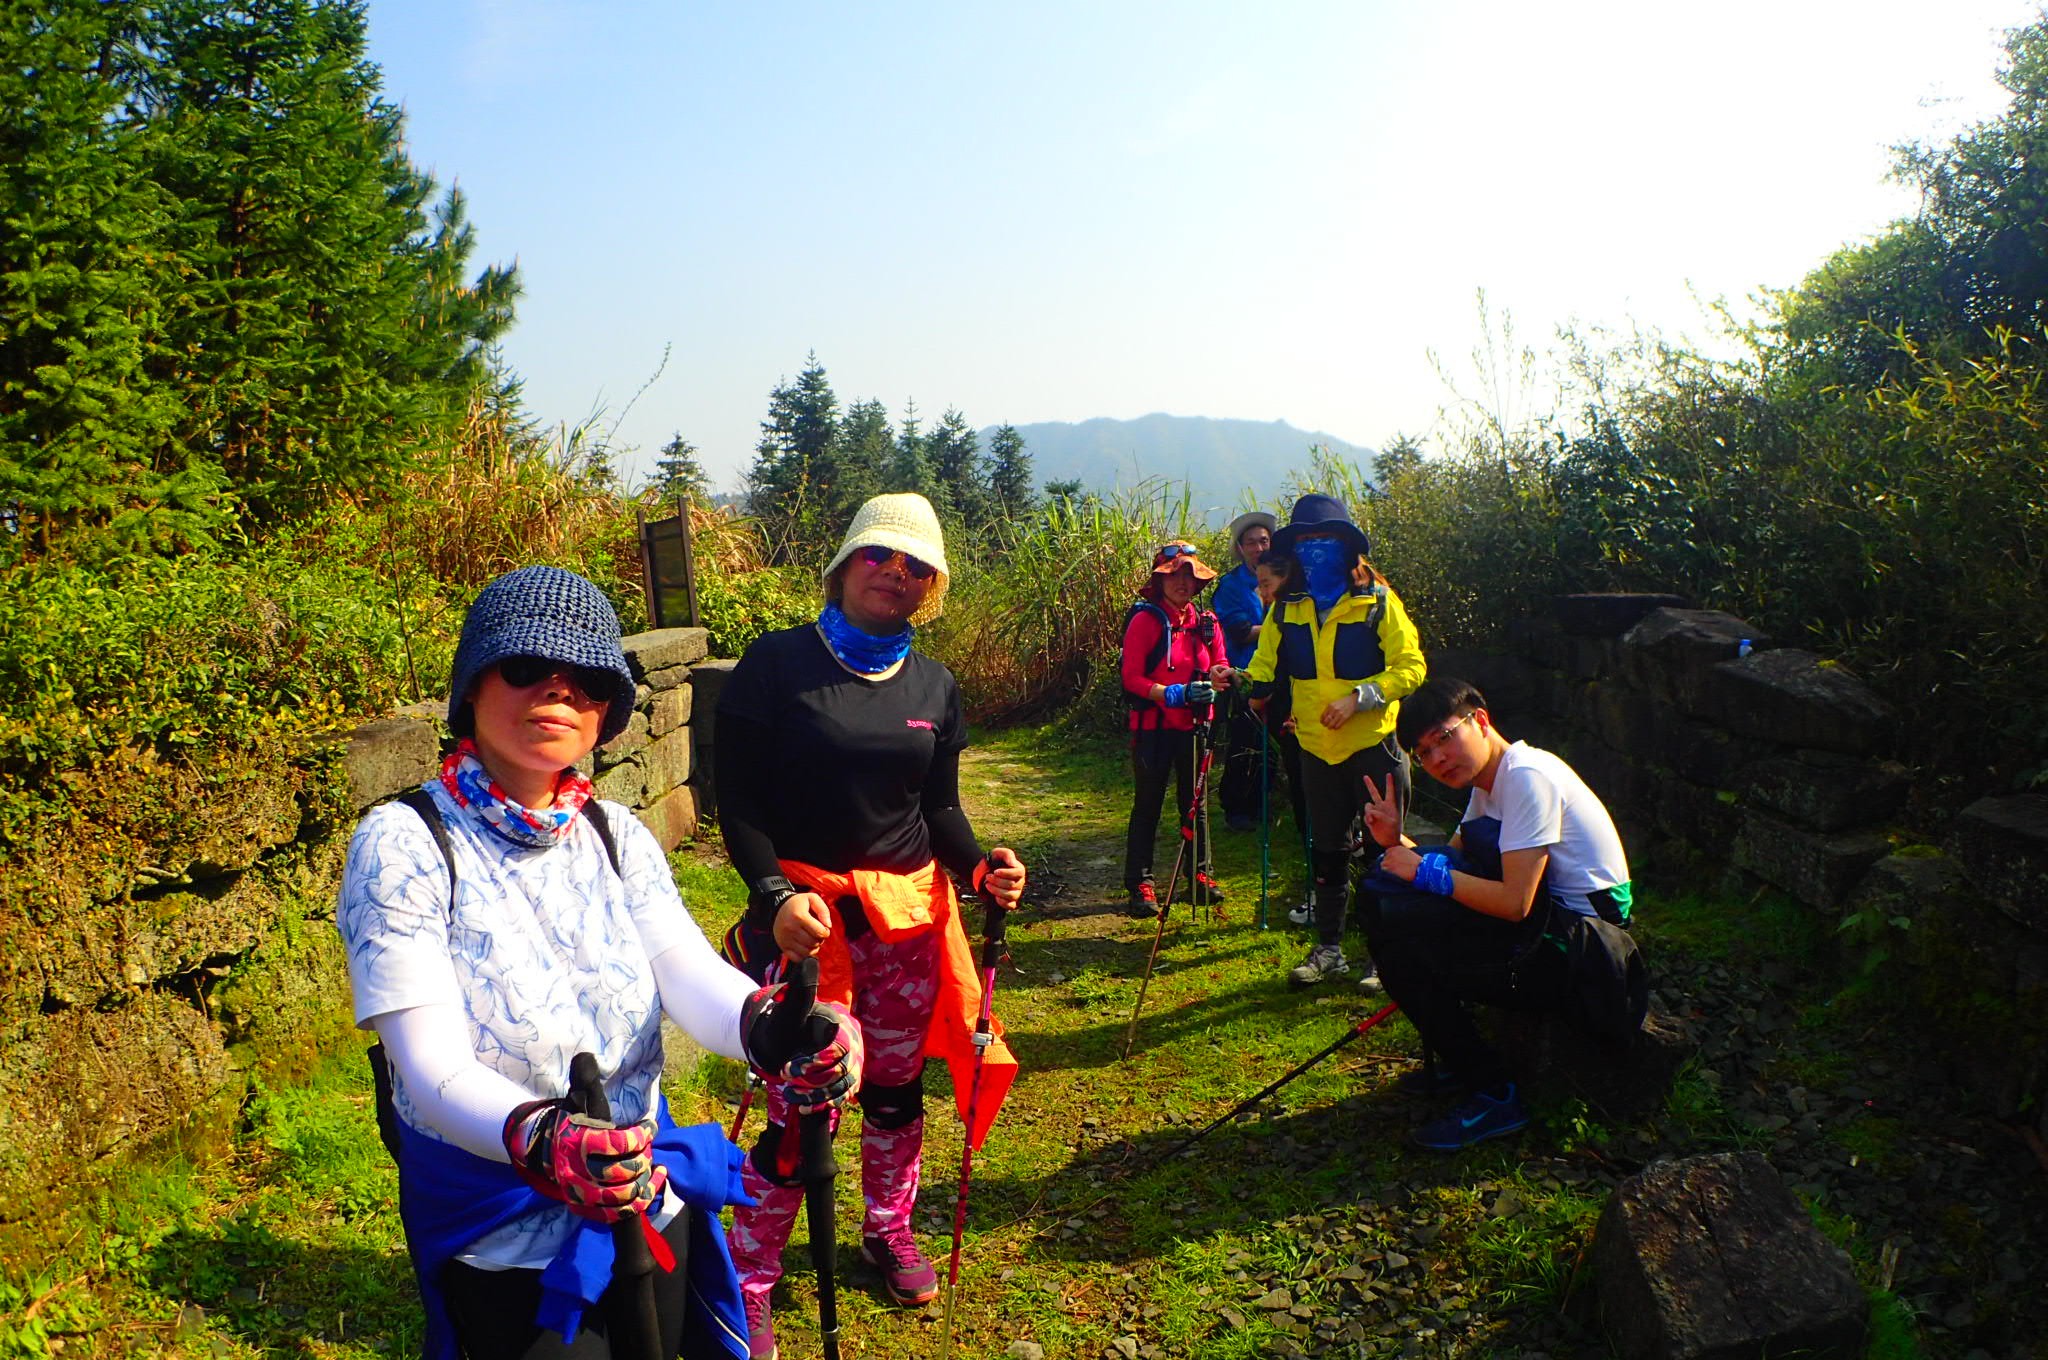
x: 1773, y: 762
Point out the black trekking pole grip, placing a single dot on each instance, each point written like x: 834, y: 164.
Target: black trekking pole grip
x: 818, y: 1166
x: 785, y: 1030
x: 634, y: 1269
x: 993, y: 924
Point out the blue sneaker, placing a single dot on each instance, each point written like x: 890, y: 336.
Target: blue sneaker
x: 1476, y: 1120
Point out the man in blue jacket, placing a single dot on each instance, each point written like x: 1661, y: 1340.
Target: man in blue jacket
x: 1240, y: 610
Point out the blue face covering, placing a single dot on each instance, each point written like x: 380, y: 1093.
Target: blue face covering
x: 858, y: 651
x: 1326, y: 564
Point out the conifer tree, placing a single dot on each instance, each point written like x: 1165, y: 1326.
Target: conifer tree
x: 910, y: 467
x: 325, y: 332
x: 85, y: 435
x: 1009, y: 478
x: 954, y: 452
x: 679, y: 474
x: 785, y: 488
x: 861, y: 457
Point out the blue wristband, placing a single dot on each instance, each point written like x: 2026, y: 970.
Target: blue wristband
x: 1176, y: 696
x: 1433, y: 874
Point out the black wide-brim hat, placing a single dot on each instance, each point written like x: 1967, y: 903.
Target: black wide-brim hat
x: 544, y: 612
x: 1321, y: 514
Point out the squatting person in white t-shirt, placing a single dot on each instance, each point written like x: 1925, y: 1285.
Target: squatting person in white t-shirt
x: 1506, y: 915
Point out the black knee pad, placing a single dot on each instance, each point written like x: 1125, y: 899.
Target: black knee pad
x: 893, y: 1107
x: 769, y: 1150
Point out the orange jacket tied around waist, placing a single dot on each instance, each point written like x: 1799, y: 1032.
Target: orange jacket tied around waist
x: 899, y: 906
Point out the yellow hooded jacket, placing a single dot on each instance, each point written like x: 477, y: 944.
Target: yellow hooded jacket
x: 1366, y: 636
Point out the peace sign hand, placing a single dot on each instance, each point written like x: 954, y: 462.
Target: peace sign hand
x: 1382, y: 813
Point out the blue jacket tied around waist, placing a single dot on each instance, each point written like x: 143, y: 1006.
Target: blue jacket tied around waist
x: 448, y: 1198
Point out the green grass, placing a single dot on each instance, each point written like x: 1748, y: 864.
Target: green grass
x: 1082, y: 1231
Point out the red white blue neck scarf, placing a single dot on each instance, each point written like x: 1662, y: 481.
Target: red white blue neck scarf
x: 470, y: 784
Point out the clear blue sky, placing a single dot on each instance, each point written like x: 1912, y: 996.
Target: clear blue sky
x: 1063, y: 210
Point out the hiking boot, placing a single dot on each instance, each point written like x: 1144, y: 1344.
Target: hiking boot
x: 1209, y: 889
x: 1324, y: 962
x: 1303, y: 915
x: 1144, y: 903
x: 1370, y: 982
x: 760, y: 1326
x: 906, y: 1275
x: 1430, y: 1080
x: 1479, y: 1118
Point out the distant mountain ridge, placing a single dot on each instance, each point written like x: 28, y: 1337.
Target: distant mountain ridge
x: 1221, y: 460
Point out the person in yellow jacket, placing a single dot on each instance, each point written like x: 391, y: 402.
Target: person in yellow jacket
x: 1347, y: 652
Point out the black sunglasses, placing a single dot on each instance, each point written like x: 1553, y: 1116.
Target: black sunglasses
x: 875, y: 555
x: 522, y: 671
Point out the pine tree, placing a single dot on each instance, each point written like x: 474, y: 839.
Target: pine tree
x: 910, y: 466
x: 324, y: 334
x: 954, y: 451
x: 679, y: 475
x: 861, y: 457
x: 85, y: 434
x: 1009, y: 478
x: 785, y: 491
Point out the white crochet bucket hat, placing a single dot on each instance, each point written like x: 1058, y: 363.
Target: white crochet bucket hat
x: 906, y: 522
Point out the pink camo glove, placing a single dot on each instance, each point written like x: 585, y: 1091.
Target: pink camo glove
x: 830, y: 1074
x: 601, y: 1171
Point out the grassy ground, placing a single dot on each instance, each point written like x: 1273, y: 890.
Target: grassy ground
x: 1308, y: 1228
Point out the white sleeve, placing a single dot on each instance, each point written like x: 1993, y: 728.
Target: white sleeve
x: 393, y: 916
x: 456, y: 1096
x: 699, y: 989
x: 703, y: 993
x: 1531, y: 809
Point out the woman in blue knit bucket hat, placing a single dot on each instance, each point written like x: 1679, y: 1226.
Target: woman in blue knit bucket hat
x: 500, y: 920
x: 1339, y: 638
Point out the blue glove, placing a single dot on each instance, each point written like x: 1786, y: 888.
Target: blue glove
x: 1176, y: 696
x: 1433, y: 874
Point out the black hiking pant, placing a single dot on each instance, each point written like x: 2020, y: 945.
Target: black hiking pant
x: 1157, y: 755
x: 1437, y: 958
x: 493, y: 1310
x: 1335, y: 795
x: 1239, y: 791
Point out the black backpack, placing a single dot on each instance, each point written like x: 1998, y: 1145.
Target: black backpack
x: 1205, y: 624
x: 422, y: 802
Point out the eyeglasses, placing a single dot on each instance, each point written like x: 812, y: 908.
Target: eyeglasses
x: 520, y: 672
x: 876, y: 555
x: 1429, y: 743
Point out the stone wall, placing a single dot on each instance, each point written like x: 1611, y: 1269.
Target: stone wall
x: 1713, y: 746
x: 179, y: 935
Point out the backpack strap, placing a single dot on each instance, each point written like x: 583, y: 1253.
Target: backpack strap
x: 601, y: 822
x: 422, y: 802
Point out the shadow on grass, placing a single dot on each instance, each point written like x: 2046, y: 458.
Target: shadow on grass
x: 282, y: 1295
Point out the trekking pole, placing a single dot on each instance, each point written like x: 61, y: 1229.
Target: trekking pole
x: 984, y: 1035
x: 819, y: 1165
x: 754, y: 1083
x: 1265, y: 824
x: 634, y: 1314
x: 1354, y: 1032
x: 1187, y: 837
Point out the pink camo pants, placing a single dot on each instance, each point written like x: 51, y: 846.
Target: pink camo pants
x: 894, y: 987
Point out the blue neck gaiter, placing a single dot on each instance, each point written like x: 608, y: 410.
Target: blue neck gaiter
x: 858, y: 651
x: 1326, y: 564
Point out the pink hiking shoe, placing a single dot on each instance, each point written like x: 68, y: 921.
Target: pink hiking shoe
x: 760, y: 1326
x: 906, y: 1275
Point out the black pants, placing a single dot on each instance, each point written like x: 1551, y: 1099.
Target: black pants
x: 1156, y: 756
x: 1335, y: 795
x: 493, y: 1310
x: 1239, y: 792
x: 1436, y: 958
